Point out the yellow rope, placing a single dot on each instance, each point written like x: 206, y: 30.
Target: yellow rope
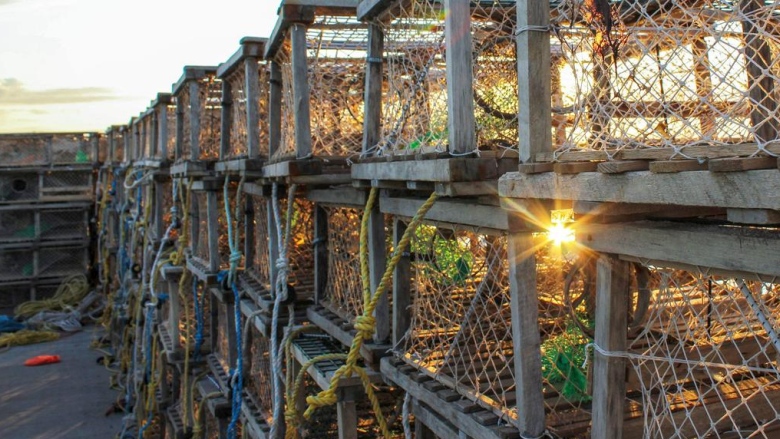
x: 25, y: 337
x: 70, y: 292
x: 365, y: 323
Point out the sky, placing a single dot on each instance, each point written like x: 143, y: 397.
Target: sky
x: 83, y: 65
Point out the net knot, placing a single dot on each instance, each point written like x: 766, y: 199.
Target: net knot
x: 365, y: 326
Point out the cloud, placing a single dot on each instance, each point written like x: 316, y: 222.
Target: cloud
x: 7, y: 2
x: 13, y: 91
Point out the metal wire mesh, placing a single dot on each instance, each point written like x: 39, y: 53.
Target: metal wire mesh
x: 18, y: 187
x: 71, y: 148
x: 664, y: 75
x: 336, y: 61
x: 23, y: 150
x: 62, y: 261
x: 239, y: 131
x: 17, y: 264
x: 414, y: 116
x: 706, y: 358
x: 18, y: 225
x: 71, y: 178
x: 64, y: 224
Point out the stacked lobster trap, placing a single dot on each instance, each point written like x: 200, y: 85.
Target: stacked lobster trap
x: 46, y: 195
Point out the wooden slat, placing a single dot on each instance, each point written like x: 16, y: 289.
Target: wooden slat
x: 535, y: 168
x: 402, y: 297
x: 609, y: 373
x: 377, y: 254
x: 757, y: 189
x: 226, y: 120
x: 437, y: 170
x: 669, y: 166
x: 761, y: 84
x: 301, y: 93
x: 745, y: 164
x: 274, y: 108
x: 449, y: 211
x: 575, y: 167
x: 717, y: 247
x: 753, y: 216
x: 339, y: 196
x: 619, y: 167
x: 252, y: 90
x: 372, y: 102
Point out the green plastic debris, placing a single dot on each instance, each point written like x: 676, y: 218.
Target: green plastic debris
x: 563, y: 358
x: 426, y: 139
x: 82, y: 157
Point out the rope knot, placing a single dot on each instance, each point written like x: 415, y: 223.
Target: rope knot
x: 365, y: 326
x: 322, y: 399
x: 282, y: 265
x: 235, y: 257
x: 175, y: 258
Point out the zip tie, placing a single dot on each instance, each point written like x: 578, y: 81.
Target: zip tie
x: 532, y: 28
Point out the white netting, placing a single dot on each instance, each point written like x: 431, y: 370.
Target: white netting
x: 209, y: 98
x: 200, y: 241
x: 261, y: 264
x: 461, y: 326
x: 343, y: 293
x: 663, y: 75
x: 336, y: 61
x: 258, y: 380
x: 415, y: 98
x: 239, y: 130
x: 705, y: 363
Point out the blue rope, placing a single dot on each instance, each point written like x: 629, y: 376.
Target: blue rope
x: 149, y: 359
x: 238, y: 373
x: 198, y: 319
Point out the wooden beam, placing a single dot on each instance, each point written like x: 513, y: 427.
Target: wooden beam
x: 609, y: 373
x: 694, y: 152
x: 436, y: 170
x: 163, y: 127
x: 670, y: 166
x: 717, y: 247
x: 194, y: 115
x: 525, y: 334
x: 252, y: 90
x: 460, y: 77
x: 372, y: 101
x: 450, y: 211
x: 213, y: 231
x: 753, y: 216
x: 534, y: 80
x: 338, y: 195
x: 249, y: 231
x: 346, y: 414
x: 742, y: 164
x: 758, y: 189
x: 301, y: 93
x: 761, y: 84
x: 377, y: 255
x: 274, y: 108
x: 402, y: 292
x: 226, y: 120
x: 619, y: 167
x: 370, y: 9
x: 320, y: 252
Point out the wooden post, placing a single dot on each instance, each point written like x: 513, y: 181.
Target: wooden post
x: 372, y: 101
x: 159, y: 227
x: 274, y: 109
x: 229, y: 313
x: 214, y: 310
x: 377, y: 261
x: 179, y: 130
x: 142, y: 148
x: 402, y: 295
x: 301, y: 93
x: 273, y: 246
x: 758, y: 59
x: 609, y: 373
x: 525, y: 333
x: 346, y: 411
x: 701, y: 71
x: 226, y: 120
x: 194, y: 114
x: 320, y: 253
x: 94, y: 141
x: 533, y: 75
x: 162, y: 135
x: 249, y: 231
x: 460, y: 77
x: 251, y: 92
x: 174, y: 311
x: 213, y: 225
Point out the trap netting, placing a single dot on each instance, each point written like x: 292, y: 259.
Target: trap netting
x: 148, y: 135
x: 164, y: 205
x: 662, y: 75
x: 336, y: 70
x: 200, y: 242
x: 258, y: 377
x: 239, y: 121
x: 170, y: 140
x: 63, y: 224
x: 344, y: 291
x: 209, y: 118
x: 60, y: 261
x: 117, y: 144
x: 460, y: 332
x: 300, y: 252
x: 415, y: 98
x: 261, y: 264
x: 201, y: 251
x: 18, y: 186
x: 705, y: 361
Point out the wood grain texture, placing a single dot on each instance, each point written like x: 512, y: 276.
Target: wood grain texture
x: 460, y: 77
x: 534, y: 80
x: 301, y: 93
x: 252, y: 91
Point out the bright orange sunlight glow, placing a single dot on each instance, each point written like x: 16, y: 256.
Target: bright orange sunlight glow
x: 558, y: 231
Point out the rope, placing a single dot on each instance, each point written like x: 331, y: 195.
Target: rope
x: 365, y: 323
x: 25, y: 337
x: 70, y: 292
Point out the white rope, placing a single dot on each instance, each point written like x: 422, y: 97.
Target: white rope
x: 406, y: 414
x: 532, y: 28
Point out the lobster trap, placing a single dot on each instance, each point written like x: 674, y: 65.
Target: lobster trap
x: 429, y: 54
x: 22, y: 263
x: 38, y: 150
x: 245, y: 77
x: 114, y: 136
x: 629, y: 77
x: 49, y: 185
x: 157, y: 130
x: 198, y: 95
x: 321, y: 59
x: 44, y: 223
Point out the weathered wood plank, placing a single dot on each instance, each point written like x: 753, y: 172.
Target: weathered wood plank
x: 274, y: 108
x: 377, y: 255
x: 372, y: 101
x: 226, y: 120
x: 301, y: 93
x: 744, y: 164
x: 462, y: 134
x: 402, y: 292
x: 728, y: 248
x: 525, y: 334
x: 450, y: 211
x: 252, y: 91
x: 575, y: 167
x: 320, y: 252
x: 761, y: 84
x: 758, y: 189
x: 694, y: 152
x: 753, y: 216
x: 534, y: 79
x: 609, y: 373
x: 194, y: 115
x: 669, y: 166
x: 338, y: 195
x: 619, y: 167
x: 437, y: 170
